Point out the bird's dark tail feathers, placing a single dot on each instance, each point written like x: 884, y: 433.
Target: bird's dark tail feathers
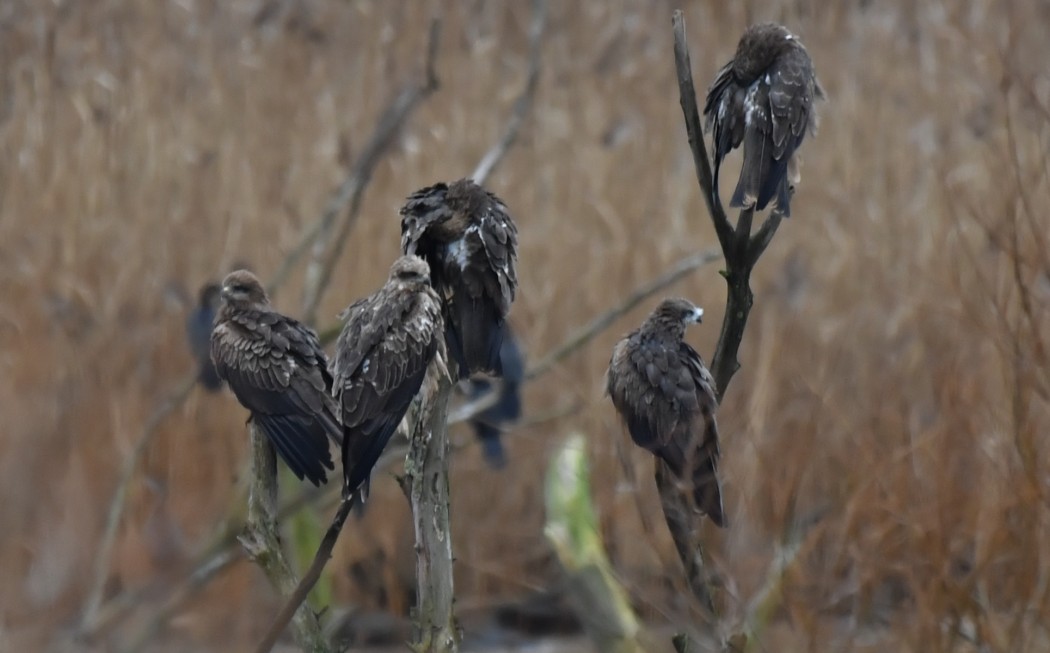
x: 698, y: 468
x: 474, y: 334
x: 361, y: 455
x: 302, y: 444
x: 762, y: 177
x: 707, y: 491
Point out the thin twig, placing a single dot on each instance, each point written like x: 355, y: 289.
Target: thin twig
x: 104, y: 557
x: 498, y: 151
x: 585, y: 334
x: 393, y: 118
x: 312, y: 575
x: 763, y: 236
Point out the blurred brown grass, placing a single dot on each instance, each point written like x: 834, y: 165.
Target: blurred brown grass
x: 894, y: 388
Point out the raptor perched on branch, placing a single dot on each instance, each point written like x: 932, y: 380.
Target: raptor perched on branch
x: 666, y: 397
x: 380, y: 362
x: 278, y: 371
x: 470, y: 241
x: 763, y: 99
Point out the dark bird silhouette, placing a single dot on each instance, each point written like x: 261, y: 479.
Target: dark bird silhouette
x: 470, y: 242
x: 489, y: 423
x: 666, y: 397
x: 278, y: 371
x: 198, y: 334
x: 380, y: 362
x: 763, y: 99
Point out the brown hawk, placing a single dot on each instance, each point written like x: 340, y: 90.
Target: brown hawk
x: 278, y: 371
x: 666, y: 397
x: 470, y: 241
x: 763, y: 99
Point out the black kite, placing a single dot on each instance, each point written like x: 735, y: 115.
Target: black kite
x: 380, y: 362
x: 470, y: 242
x: 278, y: 371
x: 763, y: 99
x: 666, y: 397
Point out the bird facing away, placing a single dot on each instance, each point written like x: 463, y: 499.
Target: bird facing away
x: 198, y: 334
x: 278, y: 371
x: 666, y: 397
x: 470, y: 242
x: 380, y: 362
x: 763, y: 98
x: 489, y: 423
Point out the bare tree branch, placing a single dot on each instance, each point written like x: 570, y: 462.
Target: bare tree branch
x: 493, y: 157
x: 104, y: 557
x: 585, y: 334
x: 319, y: 272
x: 296, y: 601
x: 694, y: 130
x: 426, y: 483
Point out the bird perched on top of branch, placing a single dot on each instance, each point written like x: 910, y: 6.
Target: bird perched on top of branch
x: 278, y: 371
x: 198, y: 334
x: 764, y: 98
x: 666, y: 397
x: 470, y: 241
x: 380, y: 362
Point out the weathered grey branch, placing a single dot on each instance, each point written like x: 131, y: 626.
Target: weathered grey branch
x: 393, y: 118
x: 585, y: 334
x: 495, y: 154
x: 426, y: 483
x: 262, y: 543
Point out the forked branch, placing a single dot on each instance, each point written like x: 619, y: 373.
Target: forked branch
x: 741, y: 252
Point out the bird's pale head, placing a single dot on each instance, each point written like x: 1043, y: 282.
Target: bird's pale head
x: 242, y: 288
x: 759, y: 46
x: 673, y: 315
x: 410, y: 269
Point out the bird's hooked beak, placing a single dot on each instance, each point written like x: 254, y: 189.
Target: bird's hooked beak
x: 697, y: 316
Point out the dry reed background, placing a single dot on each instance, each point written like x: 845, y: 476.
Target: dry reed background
x: 894, y: 388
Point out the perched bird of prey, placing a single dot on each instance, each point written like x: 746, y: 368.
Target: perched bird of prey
x: 380, y: 362
x: 198, y: 333
x: 278, y: 371
x: 489, y: 423
x: 763, y: 98
x: 666, y: 397
x: 470, y: 241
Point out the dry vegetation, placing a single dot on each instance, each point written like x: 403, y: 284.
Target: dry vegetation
x: 894, y: 393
